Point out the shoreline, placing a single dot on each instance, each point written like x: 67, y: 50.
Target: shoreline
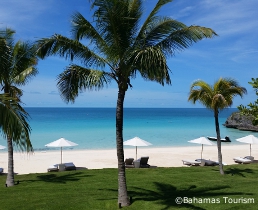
x: 56, y: 149
x: 39, y: 161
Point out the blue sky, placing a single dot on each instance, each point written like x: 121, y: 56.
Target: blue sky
x: 234, y: 53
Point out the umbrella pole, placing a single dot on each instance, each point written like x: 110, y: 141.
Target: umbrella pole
x: 202, y: 150
x: 136, y: 152
x: 250, y: 148
x: 61, y: 155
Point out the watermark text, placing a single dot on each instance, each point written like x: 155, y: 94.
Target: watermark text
x: 240, y: 200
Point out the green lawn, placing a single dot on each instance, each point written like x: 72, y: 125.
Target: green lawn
x: 154, y: 188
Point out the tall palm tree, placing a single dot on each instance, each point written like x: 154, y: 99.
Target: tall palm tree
x: 17, y: 66
x: 118, y: 46
x: 216, y: 97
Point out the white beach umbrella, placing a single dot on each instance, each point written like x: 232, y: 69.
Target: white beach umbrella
x: 61, y: 143
x: 250, y: 139
x: 137, y: 142
x: 202, y: 141
x: 2, y: 147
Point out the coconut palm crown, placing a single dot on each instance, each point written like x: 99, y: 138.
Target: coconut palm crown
x: 216, y: 97
x: 118, y: 46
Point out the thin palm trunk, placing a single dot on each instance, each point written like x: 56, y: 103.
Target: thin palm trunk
x: 123, y: 199
x: 10, y: 175
x: 216, y: 115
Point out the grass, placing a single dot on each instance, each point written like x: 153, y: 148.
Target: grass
x: 155, y: 188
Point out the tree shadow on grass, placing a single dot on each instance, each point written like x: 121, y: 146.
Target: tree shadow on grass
x: 59, y: 178
x: 170, y: 196
x: 237, y: 171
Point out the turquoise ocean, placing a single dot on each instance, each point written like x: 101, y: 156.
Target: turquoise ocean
x: 94, y: 128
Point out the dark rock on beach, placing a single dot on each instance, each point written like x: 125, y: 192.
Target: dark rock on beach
x: 240, y: 122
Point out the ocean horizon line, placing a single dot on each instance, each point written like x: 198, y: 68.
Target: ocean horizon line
x: 127, y: 107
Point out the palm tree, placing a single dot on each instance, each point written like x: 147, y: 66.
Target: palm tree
x: 17, y: 66
x: 119, y: 47
x: 216, y: 97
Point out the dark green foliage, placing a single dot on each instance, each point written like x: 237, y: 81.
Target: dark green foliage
x: 252, y: 108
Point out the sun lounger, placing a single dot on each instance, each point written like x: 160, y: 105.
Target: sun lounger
x: 242, y: 160
x: 69, y: 166
x: 249, y: 157
x: 53, y: 168
x: 191, y: 162
x: 205, y: 162
x: 129, y: 163
x: 144, y: 162
x: 1, y: 170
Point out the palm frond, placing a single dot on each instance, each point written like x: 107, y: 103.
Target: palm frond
x: 18, y: 63
x: 23, y: 77
x: 150, y: 19
x: 117, y: 22
x: 69, y: 49
x: 228, y: 88
x: 151, y: 63
x: 202, y: 92
x: 159, y: 29
x: 13, y: 122
x: 15, y: 92
x: 7, y: 35
x: 76, y: 78
x: 5, y: 59
x: 183, y: 38
x: 24, y: 62
x: 82, y: 28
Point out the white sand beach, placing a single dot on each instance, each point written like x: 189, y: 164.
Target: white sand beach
x: 38, y: 162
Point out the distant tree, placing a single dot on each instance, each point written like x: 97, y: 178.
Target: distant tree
x: 216, y: 97
x: 119, y: 47
x: 17, y: 66
x: 253, y: 107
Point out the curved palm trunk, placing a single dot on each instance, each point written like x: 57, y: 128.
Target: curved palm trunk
x: 123, y: 199
x: 216, y: 115
x: 10, y: 175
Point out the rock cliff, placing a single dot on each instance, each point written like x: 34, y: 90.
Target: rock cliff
x: 241, y: 122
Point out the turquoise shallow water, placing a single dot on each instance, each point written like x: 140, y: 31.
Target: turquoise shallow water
x: 94, y: 128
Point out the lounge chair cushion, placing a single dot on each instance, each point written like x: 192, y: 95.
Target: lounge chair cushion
x: 69, y: 166
x: 1, y: 170
x: 242, y: 160
x: 207, y: 162
x: 249, y: 157
x: 191, y: 162
x: 129, y: 163
x: 53, y: 168
x: 144, y: 162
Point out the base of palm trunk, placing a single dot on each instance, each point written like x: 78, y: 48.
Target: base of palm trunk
x: 125, y: 203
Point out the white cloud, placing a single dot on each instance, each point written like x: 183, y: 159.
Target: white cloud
x: 20, y: 13
x: 228, y: 17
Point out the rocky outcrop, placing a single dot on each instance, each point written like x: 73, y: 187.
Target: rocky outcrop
x: 241, y: 122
